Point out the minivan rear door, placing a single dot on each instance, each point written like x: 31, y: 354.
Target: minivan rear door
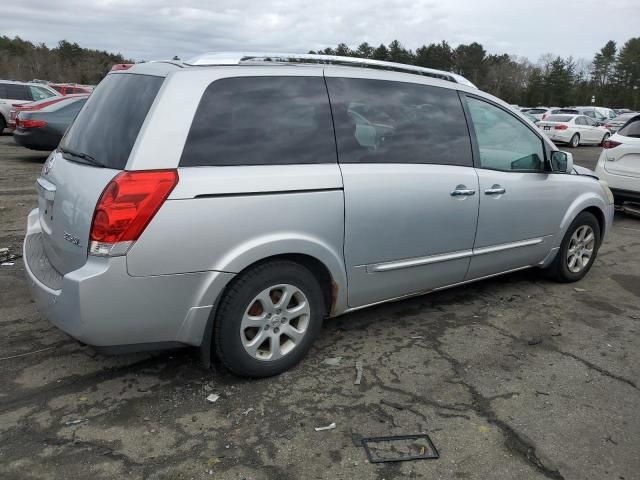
x: 93, y: 151
x: 410, y: 191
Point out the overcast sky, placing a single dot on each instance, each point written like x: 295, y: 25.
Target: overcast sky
x: 157, y: 29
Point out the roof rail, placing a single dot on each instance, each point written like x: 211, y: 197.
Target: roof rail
x: 238, y: 58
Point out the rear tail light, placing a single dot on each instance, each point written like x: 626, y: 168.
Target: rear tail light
x: 607, y: 125
x: 560, y: 127
x: 125, y: 208
x: 24, y: 124
x: 610, y: 144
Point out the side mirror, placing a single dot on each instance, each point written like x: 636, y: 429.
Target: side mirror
x: 561, y: 162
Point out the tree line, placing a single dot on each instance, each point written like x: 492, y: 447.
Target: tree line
x: 67, y: 62
x: 612, y: 76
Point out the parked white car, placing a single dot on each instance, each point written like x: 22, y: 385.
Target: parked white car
x: 574, y: 130
x: 619, y: 162
x: 16, y: 93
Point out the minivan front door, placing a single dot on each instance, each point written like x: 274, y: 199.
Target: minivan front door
x: 411, y: 194
x: 521, y: 205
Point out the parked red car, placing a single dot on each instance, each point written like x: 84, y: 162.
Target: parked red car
x: 70, y: 88
x: 29, y: 107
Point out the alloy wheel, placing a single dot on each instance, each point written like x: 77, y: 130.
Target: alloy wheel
x: 275, y: 322
x: 581, y: 247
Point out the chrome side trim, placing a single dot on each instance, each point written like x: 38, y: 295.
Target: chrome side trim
x: 415, y: 262
x: 424, y: 292
x: 507, y: 246
x: 444, y: 257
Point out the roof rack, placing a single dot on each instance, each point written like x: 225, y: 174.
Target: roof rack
x: 239, y: 58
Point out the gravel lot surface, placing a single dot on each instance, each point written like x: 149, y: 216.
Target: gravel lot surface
x: 515, y: 377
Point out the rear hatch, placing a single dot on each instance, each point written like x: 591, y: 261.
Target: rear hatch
x: 93, y: 151
x: 623, y: 150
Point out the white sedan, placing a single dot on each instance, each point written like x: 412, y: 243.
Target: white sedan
x: 619, y: 162
x: 573, y: 129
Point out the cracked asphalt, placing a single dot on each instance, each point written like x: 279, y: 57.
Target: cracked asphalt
x: 515, y: 377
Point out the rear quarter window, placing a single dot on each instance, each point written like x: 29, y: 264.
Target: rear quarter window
x: 631, y: 128
x: 108, y: 125
x: 15, y: 91
x: 261, y: 121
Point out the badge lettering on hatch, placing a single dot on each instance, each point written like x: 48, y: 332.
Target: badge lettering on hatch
x: 72, y: 239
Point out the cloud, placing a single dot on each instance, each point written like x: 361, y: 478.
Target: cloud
x: 148, y: 29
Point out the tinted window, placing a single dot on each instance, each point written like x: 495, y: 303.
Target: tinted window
x: 261, y: 121
x: 581, y: 121
x: 631, y: 128
x: 505, y: 143
x: 589, y: 122
x: 391, y: 122
x: 537, y: 111
x: 15, y: 91
x: 108, y: 125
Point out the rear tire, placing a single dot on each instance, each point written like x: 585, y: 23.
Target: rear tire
x: 268, y: 319
x: 604, y: 139
x: 575, y: 141
x: 578, y: 249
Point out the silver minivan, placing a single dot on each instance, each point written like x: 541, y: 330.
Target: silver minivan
x: 234, y: 201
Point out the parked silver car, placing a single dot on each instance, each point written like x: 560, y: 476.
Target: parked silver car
x: 233, y: 202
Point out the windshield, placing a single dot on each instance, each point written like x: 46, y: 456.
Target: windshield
x: 108, y: 125
x: 558, y: 118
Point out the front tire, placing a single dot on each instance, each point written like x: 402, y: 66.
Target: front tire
x: 578, y: 249
x: 268, y: 319
x: 604, y: 139
x: 575, y: 141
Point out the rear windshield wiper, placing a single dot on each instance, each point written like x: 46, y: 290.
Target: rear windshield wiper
x: 86, y: 157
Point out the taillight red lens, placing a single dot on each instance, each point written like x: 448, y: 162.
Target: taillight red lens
x: 29, y: 123
x: 561, y: 127
x: 127, y: 205
x: 610, y: 144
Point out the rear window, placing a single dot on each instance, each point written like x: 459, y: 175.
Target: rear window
x: 108, y: 125
x: 261, y: 121
x: 631, y: 128
x: 558, y: 118
x: 535, y: 111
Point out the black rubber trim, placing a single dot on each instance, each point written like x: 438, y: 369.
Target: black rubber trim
x: 270, y: 192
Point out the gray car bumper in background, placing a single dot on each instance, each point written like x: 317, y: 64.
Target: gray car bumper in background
x: 100, y: 304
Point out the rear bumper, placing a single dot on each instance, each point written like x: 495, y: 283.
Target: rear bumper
x: 36, y: 140
x: 558, y: 135
x: 100, y: 304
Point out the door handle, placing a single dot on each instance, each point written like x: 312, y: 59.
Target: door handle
x: 495, y: 190
x: 461, y: 190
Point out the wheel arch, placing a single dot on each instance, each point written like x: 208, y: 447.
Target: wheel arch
x: 589, y: 202
x: 332, y: 282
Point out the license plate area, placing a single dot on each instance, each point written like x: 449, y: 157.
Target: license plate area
x: 546, y: 127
